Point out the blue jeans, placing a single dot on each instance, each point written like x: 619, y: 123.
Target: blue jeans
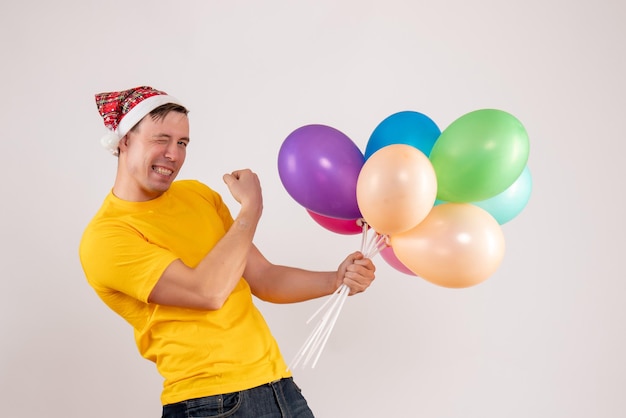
x: 279, y: 399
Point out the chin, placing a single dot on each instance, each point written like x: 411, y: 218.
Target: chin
x: 160, y: 187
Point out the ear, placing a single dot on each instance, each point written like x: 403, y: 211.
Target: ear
x: 123, y: 144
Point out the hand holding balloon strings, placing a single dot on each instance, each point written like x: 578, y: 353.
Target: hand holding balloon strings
x: 314, y: 345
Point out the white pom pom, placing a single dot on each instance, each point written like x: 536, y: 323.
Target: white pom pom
x: 110, y: 142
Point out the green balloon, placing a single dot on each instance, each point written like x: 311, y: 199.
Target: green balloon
x: 479, y: 155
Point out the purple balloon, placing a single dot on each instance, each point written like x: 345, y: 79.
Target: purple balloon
x: 319, y: 166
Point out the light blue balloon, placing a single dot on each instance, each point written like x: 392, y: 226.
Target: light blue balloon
x: 407, y: 127
x: 508, y: 204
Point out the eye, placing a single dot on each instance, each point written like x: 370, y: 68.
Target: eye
x: 183, y: 143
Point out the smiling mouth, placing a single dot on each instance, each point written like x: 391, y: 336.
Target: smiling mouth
x: 162, y: 171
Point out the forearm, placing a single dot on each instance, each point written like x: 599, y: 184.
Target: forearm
x: 222, y: 268
x: 288, y: 284
x: 282, y: 284
x: 208, y: 285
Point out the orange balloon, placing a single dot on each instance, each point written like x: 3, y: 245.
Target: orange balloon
x: 458, y: 245
x: 396, y: 188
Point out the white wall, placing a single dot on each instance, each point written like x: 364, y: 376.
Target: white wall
x: 543, y: 337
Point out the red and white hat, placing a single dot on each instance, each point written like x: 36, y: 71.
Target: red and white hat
x: 122, y: 110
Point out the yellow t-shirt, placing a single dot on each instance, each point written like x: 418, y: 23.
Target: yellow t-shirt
x: 124, y: 251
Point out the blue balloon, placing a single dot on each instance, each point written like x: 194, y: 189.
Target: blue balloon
x: 407, y: 127
x: 508, y: 204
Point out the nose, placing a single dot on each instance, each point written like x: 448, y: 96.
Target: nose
x: 172, y: 151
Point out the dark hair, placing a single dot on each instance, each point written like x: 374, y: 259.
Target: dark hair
x: 162, y: 111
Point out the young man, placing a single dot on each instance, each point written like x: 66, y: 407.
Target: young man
x: 168, y: 257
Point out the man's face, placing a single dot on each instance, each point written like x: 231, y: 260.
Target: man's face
x: 151, y: 157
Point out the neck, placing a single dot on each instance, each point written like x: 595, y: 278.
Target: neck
x: 133, y: 192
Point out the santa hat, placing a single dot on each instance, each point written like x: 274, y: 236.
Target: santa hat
x: 121, y: 110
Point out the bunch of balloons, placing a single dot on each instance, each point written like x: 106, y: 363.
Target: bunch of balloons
x: 438, y: 197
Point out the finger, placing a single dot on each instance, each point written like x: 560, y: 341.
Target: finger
x: 357, y: 255
x: 362, y: 267
x: 357, y: 281
x: 366, y: 263
x: 355, y: 287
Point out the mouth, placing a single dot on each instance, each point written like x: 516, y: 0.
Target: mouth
x: 162, y: 171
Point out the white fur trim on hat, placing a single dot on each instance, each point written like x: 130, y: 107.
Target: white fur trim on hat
x: 141, y: 109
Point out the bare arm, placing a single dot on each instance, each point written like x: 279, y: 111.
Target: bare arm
x: 282, y: 284
x: 208, y: 285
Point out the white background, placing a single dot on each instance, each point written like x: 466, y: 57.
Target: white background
x: 543, y: 337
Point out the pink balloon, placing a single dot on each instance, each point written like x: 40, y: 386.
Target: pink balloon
x: 458, y: 245
x: 339, y: 226
x: 396, y: 188
x: 390, y: 257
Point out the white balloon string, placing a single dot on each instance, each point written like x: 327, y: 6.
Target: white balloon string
x: 363, y: 235
x: 332, y: 325
x: 377, y: 246
x: 311, y: 342
x: 370, y: 245
x: 330, y: 299
x: 316, y: 342
x: 315, y: 346
x: 296, y: 360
